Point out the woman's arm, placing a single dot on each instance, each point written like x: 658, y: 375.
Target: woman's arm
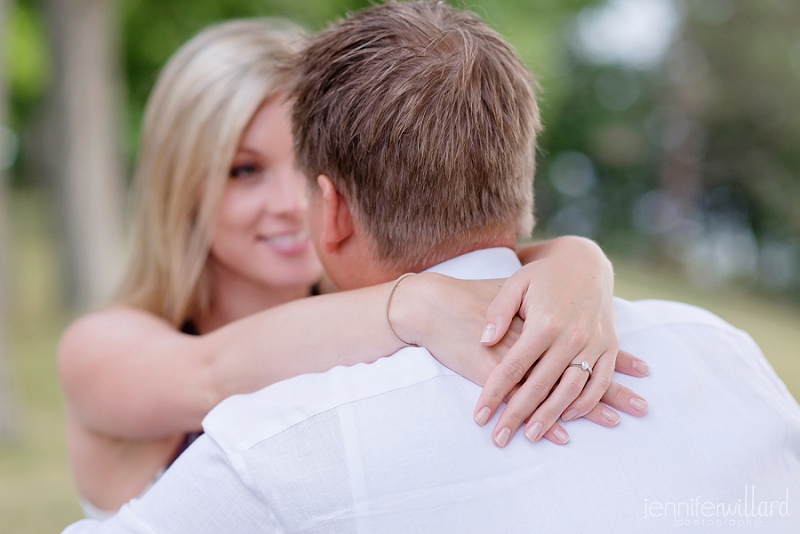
x: 129, y: 374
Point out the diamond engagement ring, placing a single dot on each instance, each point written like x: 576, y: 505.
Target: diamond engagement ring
x: 584, y: 365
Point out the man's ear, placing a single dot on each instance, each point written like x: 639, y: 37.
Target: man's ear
x: 337, y: 221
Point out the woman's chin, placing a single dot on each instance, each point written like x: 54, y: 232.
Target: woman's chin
x: 299, y: 273
x: 280, y: 266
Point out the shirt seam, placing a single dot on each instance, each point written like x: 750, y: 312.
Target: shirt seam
x: 450, y: 374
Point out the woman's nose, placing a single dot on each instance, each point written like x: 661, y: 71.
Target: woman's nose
x: 288, y: 195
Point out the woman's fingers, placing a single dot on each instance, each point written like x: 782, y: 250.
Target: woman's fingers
x: 575, y: 394
x: 629, y: 364
x: 625, y: 400
x: 602, y: 415
x: 539, y: 384
x: 509, y: 373
x: 519, y: 407
x: 616, y: 395
x: 621, y: 398
x: 542, y: 398
x: 595, y: 388
x: 557, y: 435
x: 546, y: 415
x: 539, y: 403
x: 502, y: 311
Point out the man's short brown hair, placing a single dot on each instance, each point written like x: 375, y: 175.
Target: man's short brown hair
x: 425, y: 119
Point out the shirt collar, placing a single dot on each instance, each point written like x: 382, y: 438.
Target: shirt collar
x: 497, y: 262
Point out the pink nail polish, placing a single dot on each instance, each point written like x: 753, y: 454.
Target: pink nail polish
x: 570, y: 415
x: 640, y: 405
x: 533, y: 431
x: 483, y: 416
x: 610, y: 416
x: 502, y: 437
x: 561, y: 435
x: 640, y: 367
x: 488, y: 333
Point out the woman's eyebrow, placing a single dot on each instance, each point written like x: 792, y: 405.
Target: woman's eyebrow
x: 249, y: 150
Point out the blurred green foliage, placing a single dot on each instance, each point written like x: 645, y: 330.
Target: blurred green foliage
x: 26, y: 60
x: 154, y: 29
x: 692, y: 159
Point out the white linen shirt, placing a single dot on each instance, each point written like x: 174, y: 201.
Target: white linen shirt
x: 391, y: 447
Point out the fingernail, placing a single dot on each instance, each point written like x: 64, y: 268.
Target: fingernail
x: 488, y: 333
x: 640, y: 367
x: 570, y: 415
x: 483, y: 416
x: 561, y: 435
x: 611, y: 416
x: 532, y: 432
x: 640, y: 405
x: 502, y: 437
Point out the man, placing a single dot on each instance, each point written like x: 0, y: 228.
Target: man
x: 415, y: 124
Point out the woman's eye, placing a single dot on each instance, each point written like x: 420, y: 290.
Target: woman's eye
x: 247, y: 170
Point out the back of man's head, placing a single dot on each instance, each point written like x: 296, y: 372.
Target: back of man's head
x: 425, y: 120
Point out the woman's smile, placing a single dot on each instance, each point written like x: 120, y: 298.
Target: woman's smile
x: 287, y: 243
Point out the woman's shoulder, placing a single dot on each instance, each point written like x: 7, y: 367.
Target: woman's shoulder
x: 106, y: 333
x: 111, y: 322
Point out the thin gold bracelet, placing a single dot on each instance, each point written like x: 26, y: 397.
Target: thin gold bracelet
x: 388, y: 302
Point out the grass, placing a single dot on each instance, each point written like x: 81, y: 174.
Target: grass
x: 36, y: 489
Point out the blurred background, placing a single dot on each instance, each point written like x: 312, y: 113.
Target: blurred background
x: 672, y: 138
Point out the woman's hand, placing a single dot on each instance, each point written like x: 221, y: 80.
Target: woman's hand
x: 447, y: 315
x: 616, y: 396
x: 565, y: 297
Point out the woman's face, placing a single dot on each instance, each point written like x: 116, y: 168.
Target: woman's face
x: 261, y: 235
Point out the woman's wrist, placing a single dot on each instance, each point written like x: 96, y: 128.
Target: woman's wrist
x: 388, y: 308
x: 587, y: 252
x: 572, y: 252
x: 579, y: 247
x: 410, y: 309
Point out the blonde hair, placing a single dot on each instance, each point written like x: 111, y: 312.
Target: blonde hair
x: 202, y: 102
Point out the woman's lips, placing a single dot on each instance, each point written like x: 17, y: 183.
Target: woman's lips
x: 288, y: 243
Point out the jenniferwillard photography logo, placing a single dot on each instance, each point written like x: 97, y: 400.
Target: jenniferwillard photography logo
x: 749, y: 511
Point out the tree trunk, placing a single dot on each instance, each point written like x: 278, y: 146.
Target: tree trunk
x: 84, y: 154
x: 8, y: 419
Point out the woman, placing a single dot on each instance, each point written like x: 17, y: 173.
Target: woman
x: 213, y: 304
